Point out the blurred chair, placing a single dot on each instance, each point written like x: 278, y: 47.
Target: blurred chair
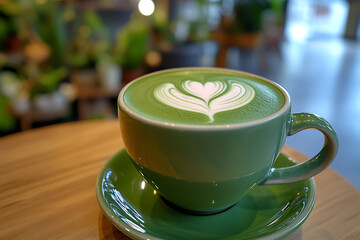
x: 262, y: 43
x: 353, y: 19
x: 246, y: 42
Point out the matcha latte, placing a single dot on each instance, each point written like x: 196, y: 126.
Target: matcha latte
x: 204, y: 137
x: 203, y: 97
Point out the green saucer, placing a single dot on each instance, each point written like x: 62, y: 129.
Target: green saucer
x: 267, y: 212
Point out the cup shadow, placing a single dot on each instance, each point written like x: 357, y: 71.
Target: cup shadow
x: 107, y: 231
x: 208, y: 226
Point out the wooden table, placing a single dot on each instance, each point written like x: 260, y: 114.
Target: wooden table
x: 245, y: 42
x: 47, y: 187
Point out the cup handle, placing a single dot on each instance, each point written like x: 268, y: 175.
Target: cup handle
x: 313, y: 166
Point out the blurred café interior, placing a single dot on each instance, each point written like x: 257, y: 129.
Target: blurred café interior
x: 67, y: 60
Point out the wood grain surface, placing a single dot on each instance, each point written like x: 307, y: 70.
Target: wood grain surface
x: 47, y: 187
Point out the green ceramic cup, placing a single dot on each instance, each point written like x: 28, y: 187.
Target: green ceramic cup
x: 204, y: 137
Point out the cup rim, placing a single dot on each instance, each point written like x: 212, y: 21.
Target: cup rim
x: 132, y: 114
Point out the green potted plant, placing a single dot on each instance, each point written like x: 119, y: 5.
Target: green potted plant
x: 132, y: 45
x: 43, y: 87
x: 248, y: 15
x: 39, y: 66
x: 180, y: 40
x: 10, y: 98
x: 88, y: 45
x: 44, y: 50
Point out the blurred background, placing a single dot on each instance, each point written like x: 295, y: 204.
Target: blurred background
x: 67, y: 60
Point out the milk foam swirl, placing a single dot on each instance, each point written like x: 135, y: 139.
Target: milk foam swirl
x: 209, y: 98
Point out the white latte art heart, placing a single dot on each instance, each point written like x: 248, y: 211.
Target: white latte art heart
x: 209, y: 98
